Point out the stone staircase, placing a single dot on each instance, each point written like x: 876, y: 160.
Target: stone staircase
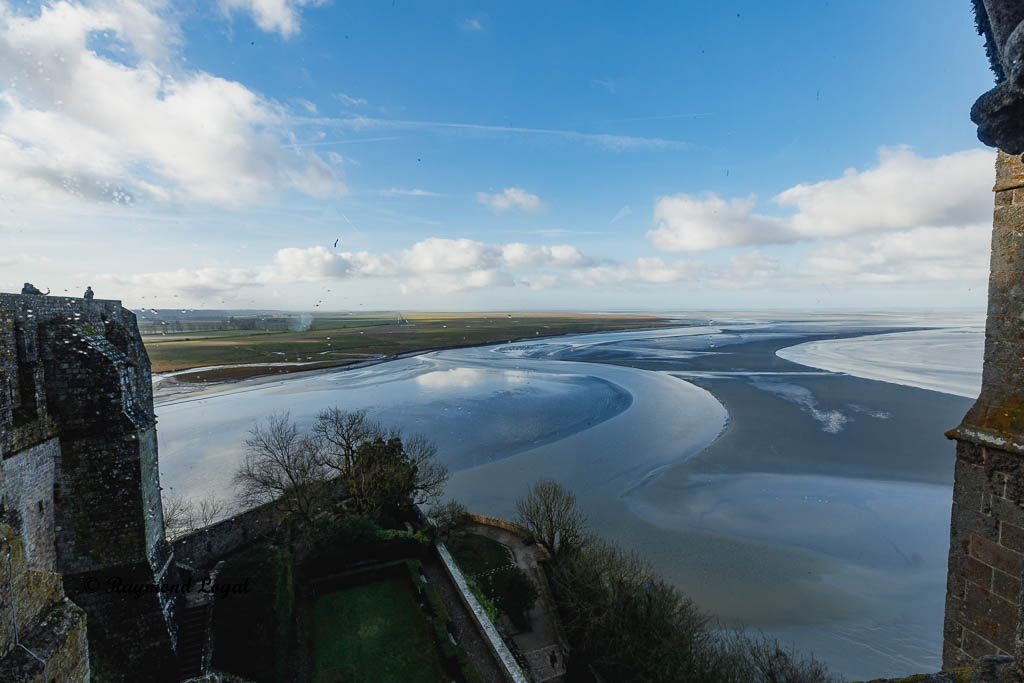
x: 193, y: 634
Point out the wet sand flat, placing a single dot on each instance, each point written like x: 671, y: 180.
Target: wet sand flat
x: 854, y: 471
x: 816, y: 508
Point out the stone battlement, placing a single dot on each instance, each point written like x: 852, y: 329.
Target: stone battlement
x: 79, y: 483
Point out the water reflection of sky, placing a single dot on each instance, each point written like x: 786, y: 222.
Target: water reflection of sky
x: 850, y: 568
x: 474, y: 413
x: 461, y: 379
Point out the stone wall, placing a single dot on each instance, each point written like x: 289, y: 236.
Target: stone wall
x: 80, y: 483
x: 986, y: 554
x: 200, y: 550
x: 26, y: 494
x: 509, y: 666
x: 42, y: 633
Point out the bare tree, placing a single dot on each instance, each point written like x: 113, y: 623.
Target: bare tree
x: 429, y: 475
x: 382, y: 473
x: 284, y: 466
x: 211, y: 509
x: 451, y: 518
x: 177, y: 513
x: 184, y: 515
x: 549, y: 512
x: 339, y: 434
x: 382, y: 469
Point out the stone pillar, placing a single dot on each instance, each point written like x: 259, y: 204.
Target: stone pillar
x: 986, y: 551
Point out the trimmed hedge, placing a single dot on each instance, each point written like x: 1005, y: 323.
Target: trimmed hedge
x: 355, y: 539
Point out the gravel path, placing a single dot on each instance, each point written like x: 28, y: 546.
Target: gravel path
x: 539, y: 645
x: 466, y: 631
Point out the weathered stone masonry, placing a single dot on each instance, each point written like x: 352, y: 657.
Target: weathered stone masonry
x: 79, y: 485
x: 986, y: 554
x: 42, y: 633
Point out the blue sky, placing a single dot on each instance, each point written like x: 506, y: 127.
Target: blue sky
x: 495, y: 155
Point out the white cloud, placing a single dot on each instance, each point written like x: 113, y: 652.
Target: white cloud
x: 641, y: 270
x: 471, y: 25
x: 412, y: 192
x: 338, y: 159
x: 521, y: 255
x: 751, y: 269
x: 198, y: 282
x: 511, y: 198
x: 165, y: 135
x: 621, y: 213
x: 351, y: 101
x: 431, y: 265
x: 273, y: 16
x: 921, y: 255
x: 434, y: 255
x: 688, y: 223
x: 604, y: 83
x: 308, y: 106
x: 307, y: 265
x: 541, y: 281
x: 439, y: 265
x: 447, y: 283
x: 904, y: 191
x: 20, y: 259
x: 611, y: 142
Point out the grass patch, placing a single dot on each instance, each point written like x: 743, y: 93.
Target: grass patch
x: 478, y: 554
x: 374, y: 632
x: 483, y: 562
x: 486, y: 565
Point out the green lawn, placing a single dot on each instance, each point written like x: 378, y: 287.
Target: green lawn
x: 486, y: 562
x: 477, y: 554
x: 374, y: 633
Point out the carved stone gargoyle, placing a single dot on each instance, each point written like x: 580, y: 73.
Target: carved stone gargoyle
x: 999, y: 113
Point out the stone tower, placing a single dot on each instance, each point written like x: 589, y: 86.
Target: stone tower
x: 80, y: 481
x: 986, y: 553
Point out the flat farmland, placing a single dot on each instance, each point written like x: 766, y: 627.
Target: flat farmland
x: 338, y: 339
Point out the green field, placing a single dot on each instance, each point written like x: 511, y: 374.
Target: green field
x: 337, y: 339
x: 374, y: 632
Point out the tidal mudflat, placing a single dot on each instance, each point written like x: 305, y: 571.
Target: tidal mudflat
x: 810, y: 504
x: 946, y: 360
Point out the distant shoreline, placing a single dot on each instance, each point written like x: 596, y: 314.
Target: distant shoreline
x: 169, y: 388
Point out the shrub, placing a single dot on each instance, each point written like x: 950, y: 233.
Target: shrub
x: 355, y: 539
x: 252, y: 630
x: 518, y: 597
